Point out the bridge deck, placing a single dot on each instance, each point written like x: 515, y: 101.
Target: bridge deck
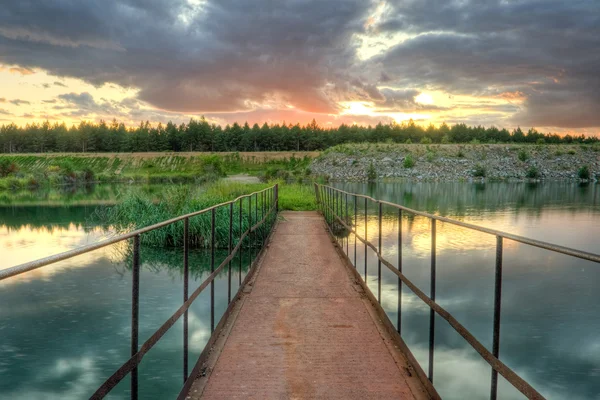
x: 305, y: 330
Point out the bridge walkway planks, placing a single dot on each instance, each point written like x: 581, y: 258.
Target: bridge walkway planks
x: 305, y: 330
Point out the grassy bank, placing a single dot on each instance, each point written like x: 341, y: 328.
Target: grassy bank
x: 35, y: 170
x: 136, y: 210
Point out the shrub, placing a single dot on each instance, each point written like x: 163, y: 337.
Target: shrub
x: 409, y: 162
x: 33, y: 181
x: 532, y: 172
x: 460, y: 154
x: 571, y: 152
x: 479, y: 171
x: 541, y: 141
x: 88, y: 174
x: 213, y: 164
x: 371, y: 173
x: 426, y: 140
x: 523, y: 155
x: 7, y: 167
x: 584, y: 172
x: 430, y: 156
x: 408, y: 141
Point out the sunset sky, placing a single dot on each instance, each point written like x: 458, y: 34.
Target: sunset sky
x: 506, y: 63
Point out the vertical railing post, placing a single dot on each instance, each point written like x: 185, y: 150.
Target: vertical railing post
x: 355, y: 227
x: 241, y: 240
x: 135, y: 312
x: 250, y: 233
x: 186, y: 277
x: 277, y: 197
x: 229, y: 247
x: 366, y: 222
x: 432, y: 293
x: 212, y: 269
x: 346, y: 221
x: 399, y: 316
x: 380, y: 248
x: 255, y: 221
x: 324, y: 205
x: 331, y: 208
x: 497, y: 307
x: 262, y: 215
x: 335, y: 214
x: 327, y: 205
x: 264, y: 212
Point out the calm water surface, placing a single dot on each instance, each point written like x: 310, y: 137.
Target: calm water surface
x: 65, y: 328
x: 550, y: 302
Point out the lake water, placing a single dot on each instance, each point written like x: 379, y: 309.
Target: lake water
x: 65, y: 328
x: 550, y: 315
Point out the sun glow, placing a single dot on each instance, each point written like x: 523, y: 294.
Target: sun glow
x: 358, y: 108
x: 424, y: 98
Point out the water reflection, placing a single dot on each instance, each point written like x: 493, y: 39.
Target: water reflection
x: 64, y: 334
x: 65, y: 328
x: 549, y: 305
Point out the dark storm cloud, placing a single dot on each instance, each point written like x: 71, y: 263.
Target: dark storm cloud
x: 85, y: 106
x: 81, y: 100
x: 549, y: 50
x: 234, y: 55
x: 217, y: 56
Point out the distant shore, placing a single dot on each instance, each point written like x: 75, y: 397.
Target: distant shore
x: 454, y: 162
x: 30, y: 171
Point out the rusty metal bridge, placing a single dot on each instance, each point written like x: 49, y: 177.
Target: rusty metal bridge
x: 303, y: 323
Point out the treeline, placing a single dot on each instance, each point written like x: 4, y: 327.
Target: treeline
x: 199, y: 135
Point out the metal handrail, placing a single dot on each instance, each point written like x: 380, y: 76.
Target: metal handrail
x: 521, y: 239
x: 269, y: 198
x: 331, y: 199
x: 42, y: 262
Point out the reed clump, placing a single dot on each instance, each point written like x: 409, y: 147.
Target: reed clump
x: 137, y: 210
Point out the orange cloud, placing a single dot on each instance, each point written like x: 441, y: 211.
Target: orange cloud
x: 21, y: 70
x: 513, y: 96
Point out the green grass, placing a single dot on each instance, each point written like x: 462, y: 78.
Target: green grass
x: 296, y: 197
x: 137, y: 210
x: 48, y: 170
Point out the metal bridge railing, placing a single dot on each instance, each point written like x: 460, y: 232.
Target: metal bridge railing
x: 266, y: 206
x: 334, y: 205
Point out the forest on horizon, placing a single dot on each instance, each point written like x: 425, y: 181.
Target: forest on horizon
x: 200, y: 135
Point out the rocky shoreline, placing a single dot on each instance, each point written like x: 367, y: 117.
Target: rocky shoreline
x: 469, y: 162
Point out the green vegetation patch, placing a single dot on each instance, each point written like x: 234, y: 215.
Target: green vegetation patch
x: 479, y: 171
x: 137, y: 210
x: 584, y: 172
